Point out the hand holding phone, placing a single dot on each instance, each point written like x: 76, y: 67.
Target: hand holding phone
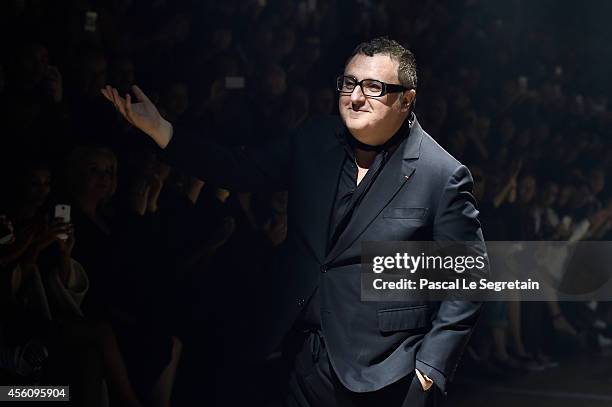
x: 62, y: 212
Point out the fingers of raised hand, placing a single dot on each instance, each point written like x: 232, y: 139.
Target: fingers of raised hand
x: 107, y: 93
x: 110, y: 95
x: 128, y: 107
x: 119, y: 102
x: 140, y: 95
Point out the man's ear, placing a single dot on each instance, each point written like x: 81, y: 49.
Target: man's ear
x: 408, y: 98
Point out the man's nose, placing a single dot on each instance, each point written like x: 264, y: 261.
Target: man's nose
x: 357, y: 96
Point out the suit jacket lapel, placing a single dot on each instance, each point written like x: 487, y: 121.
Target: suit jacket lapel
x: 326, y: 171
x: 395, y: 174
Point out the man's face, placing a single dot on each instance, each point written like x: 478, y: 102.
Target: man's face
x: 374, y: 120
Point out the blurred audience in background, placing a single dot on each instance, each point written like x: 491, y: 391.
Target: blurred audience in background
x: 115, y: 306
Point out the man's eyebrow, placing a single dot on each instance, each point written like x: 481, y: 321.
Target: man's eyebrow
x: 357, y: 79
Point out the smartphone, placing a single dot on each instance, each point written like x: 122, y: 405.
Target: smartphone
x: 62, y: 212
x: 91, y: 20
x: 234, y: 82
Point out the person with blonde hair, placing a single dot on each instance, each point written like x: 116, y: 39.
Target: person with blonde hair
x: 90, y: 180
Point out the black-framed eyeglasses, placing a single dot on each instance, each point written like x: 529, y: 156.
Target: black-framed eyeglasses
x: 369, y: 87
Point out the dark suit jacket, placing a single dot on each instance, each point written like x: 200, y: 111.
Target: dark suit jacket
x: 422, y: 193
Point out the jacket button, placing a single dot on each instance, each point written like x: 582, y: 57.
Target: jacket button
x: 324, y: 268
x: 301, y: 302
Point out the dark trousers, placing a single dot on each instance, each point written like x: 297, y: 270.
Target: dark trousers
x: 313, y: 382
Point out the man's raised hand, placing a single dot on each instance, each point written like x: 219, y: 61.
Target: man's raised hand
x: 142, y: 115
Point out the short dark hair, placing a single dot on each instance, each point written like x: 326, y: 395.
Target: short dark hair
x: 382, y: 45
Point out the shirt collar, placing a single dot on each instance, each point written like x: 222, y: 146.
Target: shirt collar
x: 349, y: 142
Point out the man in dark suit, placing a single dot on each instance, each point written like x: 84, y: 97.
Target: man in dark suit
x: 372, y: 175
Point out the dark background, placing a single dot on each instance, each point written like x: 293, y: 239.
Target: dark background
x: 517, y: 90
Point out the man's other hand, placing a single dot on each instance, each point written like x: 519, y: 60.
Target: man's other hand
x: 426, y: 382
x: 143, y: 114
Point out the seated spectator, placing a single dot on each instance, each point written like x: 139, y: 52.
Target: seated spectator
x: 114, y: 260
x: 48, y: 287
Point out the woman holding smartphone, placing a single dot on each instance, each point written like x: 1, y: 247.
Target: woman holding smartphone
x: 47, y: 287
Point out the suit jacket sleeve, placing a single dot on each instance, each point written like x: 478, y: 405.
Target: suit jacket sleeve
x: 455, y: 220
x: 263, y: 167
